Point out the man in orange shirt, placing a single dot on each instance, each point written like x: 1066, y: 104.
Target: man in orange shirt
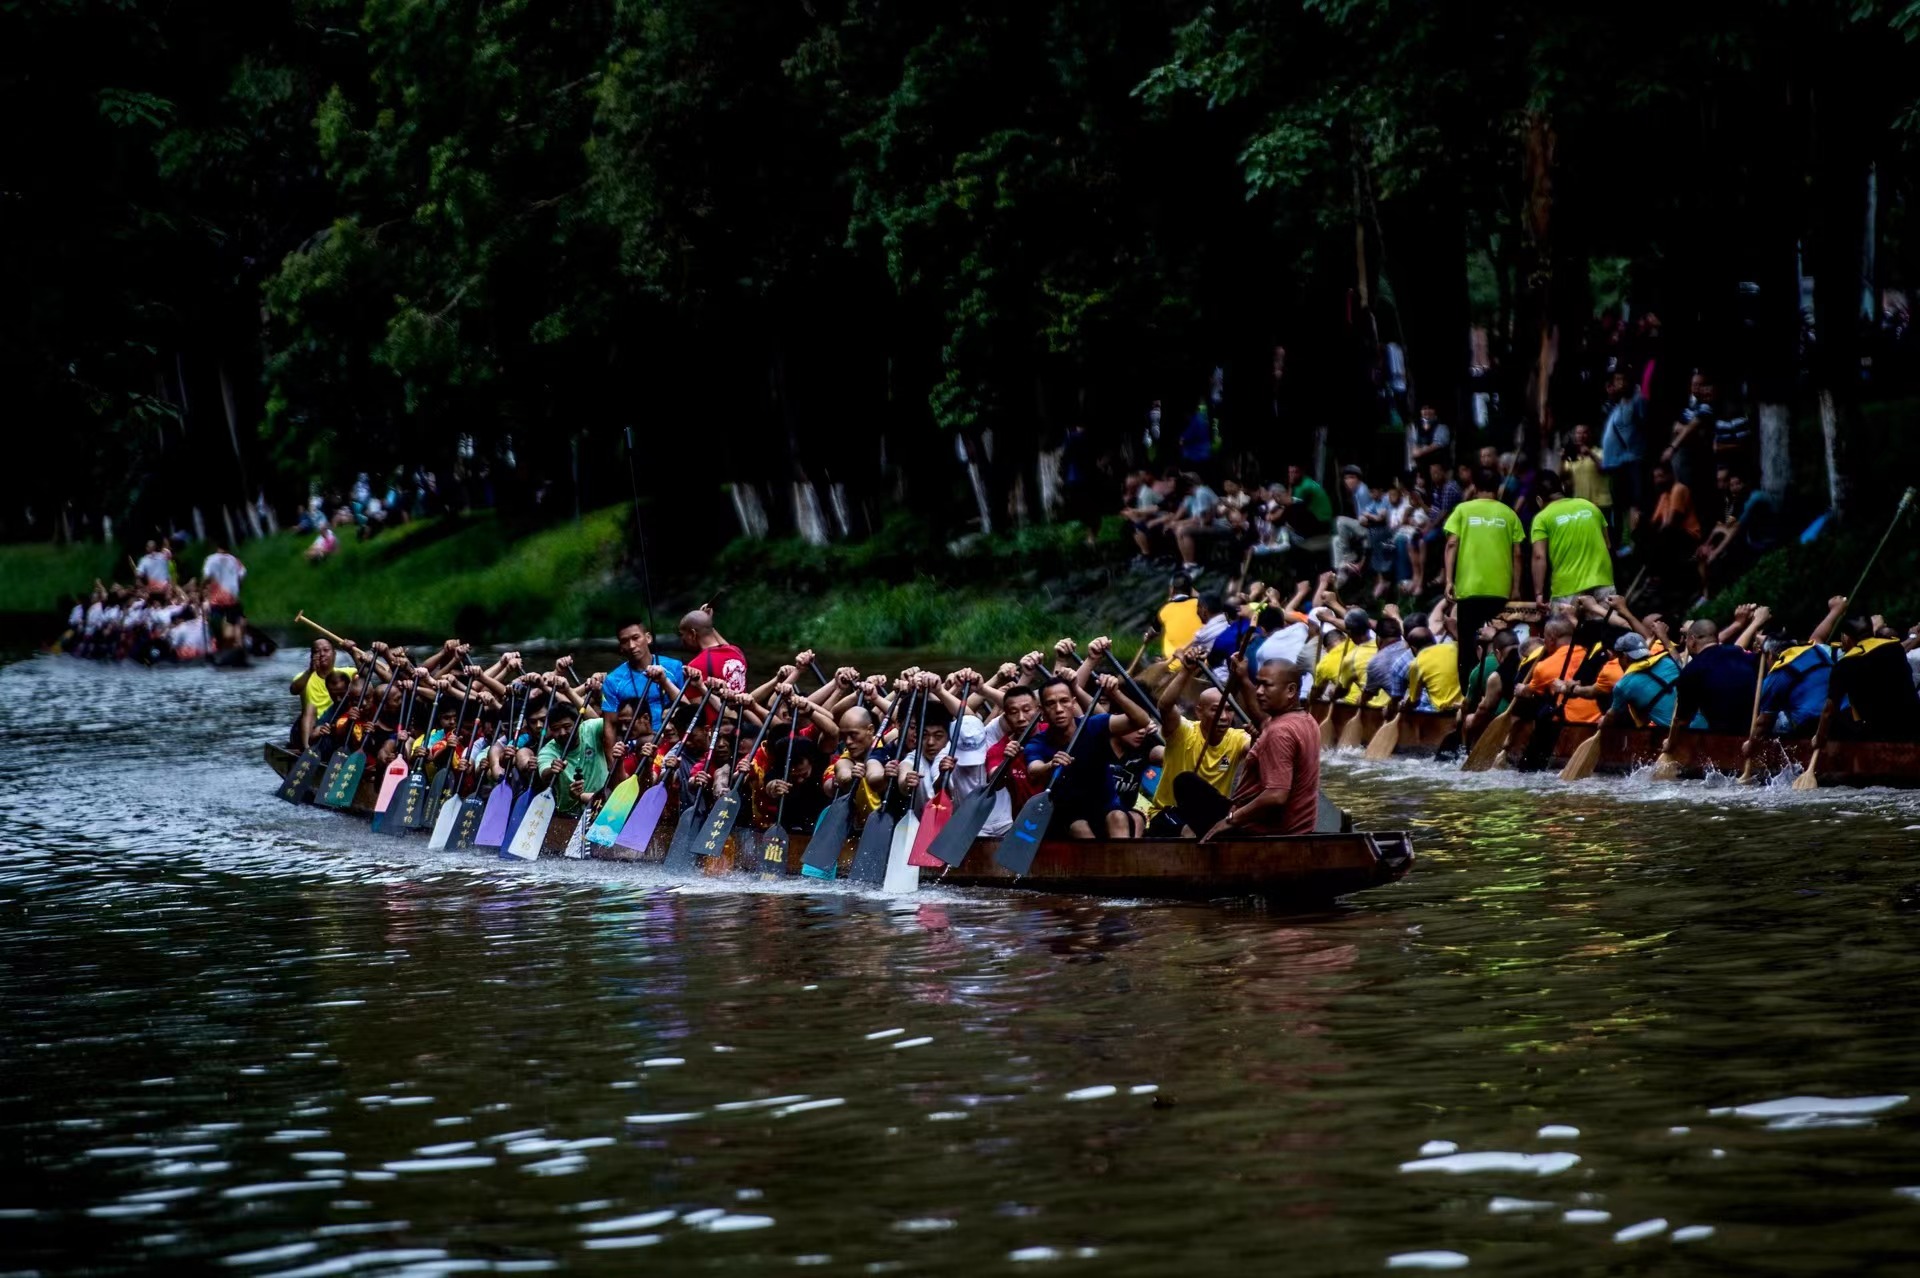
x: 1552, y: 674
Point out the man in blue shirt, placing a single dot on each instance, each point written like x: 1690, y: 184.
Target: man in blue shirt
x: 628, y: 680
x: 1719, y: 681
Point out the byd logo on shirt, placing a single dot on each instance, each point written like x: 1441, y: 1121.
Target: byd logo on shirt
x: 1572, y: 516
x: 1483, y: 521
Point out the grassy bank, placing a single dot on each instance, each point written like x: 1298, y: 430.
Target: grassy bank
x: 474, y: 576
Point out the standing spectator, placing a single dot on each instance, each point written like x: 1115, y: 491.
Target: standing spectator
x: 1673, y: 530
x: 1623, y: 443
x: 1350, y: 529
x: 1428, y: 440
x: 1482, y: 563
x: 1585, y: 478
x: 1570, y: 550
x: 1691, y: 452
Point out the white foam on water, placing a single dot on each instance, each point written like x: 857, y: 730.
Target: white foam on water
x: 1435, y: 1148
x: 1583, y: 1216
x: 272, y: 1187
x: 1025, y: 1254
x: 1099, y: 1091
x: 1512, y: 1206
x: 646, y: 1220
x: 663, y: 1062
x: 1427, y: 1260
x: 731, y: 1224
x: 885, y: 1033
x: 925, y: 1225
x: 266, y: 1255
x: 1692, y: 1233
x: 616, y: 1244
x: 1557, y: 1131
x: 905, y: 1043
x: 1822, y: 1105
x: 830, y: 1102
x: 439, y: 1164
x: 1462, y: 1164
x: 451, y: 1147
x: 652, y: 1120
x: 1644, y: 1229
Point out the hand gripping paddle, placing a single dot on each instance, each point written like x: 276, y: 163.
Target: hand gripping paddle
x: 1023, y: 841
x: 620, y: 804
x: 939, y: 810
x: 902, y: 876
x: 713, y: 840
x: 692, y: 818
x: 951, y: 845
x: 638, y: 831
x: 532, y: 832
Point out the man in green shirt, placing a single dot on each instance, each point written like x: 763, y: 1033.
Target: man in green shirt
x: 1307, y: 492
x: 1482, y: 563
x: 585, y: 770
x: 1571, y: 556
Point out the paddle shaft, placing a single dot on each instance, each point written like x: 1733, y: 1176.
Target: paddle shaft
x: 953, y: 735
x: 1906, y: 501
x: 786, y: 774
x: 739, y: 765
x: 1234, y: 705
x: 325, y: 633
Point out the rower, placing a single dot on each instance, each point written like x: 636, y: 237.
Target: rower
x: 316, y: 690
x: 635, y: 677
x: 1356, y: 655
x: 1490, y: 687
x: 1279, y: 788
x: 713, y: 656
x: 1645, y: 694
x: 1433, y: 684
x: 585, y: 764
x: 1794, y: 695
x: 1202, y: 750
x: 1872, y: 689
x: 1387, y: 672
x: 1717, y: 682
x: 1084, y: 796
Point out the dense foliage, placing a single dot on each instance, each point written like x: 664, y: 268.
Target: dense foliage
x: 819, y: 241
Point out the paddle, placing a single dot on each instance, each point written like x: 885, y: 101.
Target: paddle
x: 1546, y: 731
x: 532, y: 833
x: 720, y: 822
x: 869, y: 866
x: 1807, y: 780
x: 343, y: 774
x: 970, y: 815
x: 939, y: 809
x: 619, y: 805
x: 773, y: 852
x: 1748, y: 772
x: 1017, y: 850
x: 437, y: 789
x: 901, y: 874
x: 637, y: 833
x: 466, y: 826
x: 499, y: 811
x: 408, y: 810
x: 822, y: 858
x: 396, y: 773
x: 446, y: 813
x: 523, y: 799
x: 692, y: 821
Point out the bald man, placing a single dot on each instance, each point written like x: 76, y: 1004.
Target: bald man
x: 713, y: 656
x: 1279, y: 788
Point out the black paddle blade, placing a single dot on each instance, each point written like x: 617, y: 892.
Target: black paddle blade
x: 467, y: 825
x: 331, y: 776
x: 822, y: 860
x: 437, y: 794
x: 870, y: 854
x: 773, y: 854
x: 1023, y: 840
x: 685, y: 835
x: 712, y: 840
x: 962, y: 828
x: 412, y: 802
x: 302, y: 777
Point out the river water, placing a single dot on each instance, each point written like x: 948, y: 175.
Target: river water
x: 241, y: 1038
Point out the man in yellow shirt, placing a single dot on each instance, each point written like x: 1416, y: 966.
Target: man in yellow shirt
x: 1434, y: 682
x: 310, y: 685
x: 1355, y: 655
x: 1201, y: 751
x: 1179, y: 616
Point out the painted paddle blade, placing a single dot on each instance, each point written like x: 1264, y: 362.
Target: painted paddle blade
x: 342, y: 785
x: 494, y: 820
x: 614, y: 813
x: 950, y: 846
x: 466, y: 825
x: 576, y: 849
x: 526, y: 841
x: 932, y: 822
x: 870, y: 854
x: 902, y: 875
x: 712, y: 840
x: 437, y: 793
x: 637, y: 833
x: 302, y: 776
x: 822, y: 859
x: 1017, y: 849
x: 773, y: 854
x: 390, y: 781
x: 408, y: 811
x: 443, y: 826
x: 685, y: 835
x: 521, y: 805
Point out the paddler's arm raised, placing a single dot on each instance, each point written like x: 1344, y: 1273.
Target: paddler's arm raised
x: 1176, y: 687
x: 1132, y: 716
x: 1241, y: 678
x: 1836, y: 609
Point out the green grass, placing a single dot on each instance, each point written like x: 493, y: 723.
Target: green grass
x: 43, y: 578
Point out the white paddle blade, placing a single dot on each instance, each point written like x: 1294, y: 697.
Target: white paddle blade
x: 903, y: 875
x: 577, y: 841
x: 443, y: 825
x: 525, y: 845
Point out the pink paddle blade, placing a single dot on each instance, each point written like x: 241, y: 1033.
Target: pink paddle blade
x: 932, y: 821
x: 394, y: 778
x: 638, y: 831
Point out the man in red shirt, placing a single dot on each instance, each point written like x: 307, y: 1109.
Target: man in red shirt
x: 1279, y: 789
x: 713, y: 656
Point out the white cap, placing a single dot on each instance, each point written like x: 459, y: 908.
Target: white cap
x: 970, y: 745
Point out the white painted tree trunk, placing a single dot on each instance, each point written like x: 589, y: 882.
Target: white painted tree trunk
x: 1776, y: 461
x: 808, y: 519
x: 1050, y: 484
x: 842, y: 516
x: 978, y: 481
x: 1837, y: 483
x: 199, y: 525
x: 750, y: 511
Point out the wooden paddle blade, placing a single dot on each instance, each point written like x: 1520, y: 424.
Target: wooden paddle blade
x: 1326, y: 730
x: 495, y: 819
x: 1351, y: 734
x: 526, y: 840
x: 1385, y: 741
x: 773, y: 854
x: 902, y: 874
x: 951, y: 845
x: 712, y: 840
x: 869, y: 867
x: 1665, y: 768
x: 637, y: 833
x: 443, y: 826
x: 932, y: 822
x: 614, y: 813
x: 1585, y: 757
x: 1492, y: 741
x: 342, y: 786
x: 1022, y: 842
x: 1807, y: 780
x: 466, y: 826
x: 822, y: 859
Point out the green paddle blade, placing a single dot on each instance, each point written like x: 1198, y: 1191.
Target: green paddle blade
x: 822, y: 860
x: 773, y: 854
x: 1023, y: 841
x: 869, y: 867
x: 343, y: 784
x: 614, y: 813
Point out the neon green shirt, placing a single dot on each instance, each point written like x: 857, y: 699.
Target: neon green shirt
x: 1577, y: 555
x: 1488, y: 531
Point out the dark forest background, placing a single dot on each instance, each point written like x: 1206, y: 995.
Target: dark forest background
x: 812, y: 252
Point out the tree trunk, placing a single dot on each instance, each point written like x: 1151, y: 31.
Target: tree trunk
x: 808, y: 519
x: 1840, y: 198
x: 749, y: 510
x: 1776, y: 460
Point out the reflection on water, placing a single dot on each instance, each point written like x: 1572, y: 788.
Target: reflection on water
x: 1602, y: 1026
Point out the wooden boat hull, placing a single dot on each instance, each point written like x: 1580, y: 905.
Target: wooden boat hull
x: 1895, y: 764
x: 1296, y: 871
x: 279, y: 758
x: 1420, y: 731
